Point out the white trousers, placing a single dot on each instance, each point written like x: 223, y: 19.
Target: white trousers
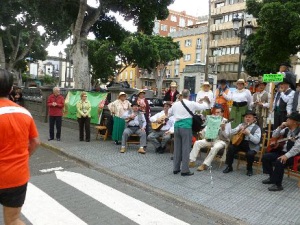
x: 216, y: 147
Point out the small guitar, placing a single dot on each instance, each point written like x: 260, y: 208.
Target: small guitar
x: 239, y: 137
x: 277, y: 143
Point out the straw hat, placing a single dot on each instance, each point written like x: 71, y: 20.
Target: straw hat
x: 206, y: 83
x: 122, y: 93
x: 141, y: 91
x: 173, y: 84
x: 240, y: 81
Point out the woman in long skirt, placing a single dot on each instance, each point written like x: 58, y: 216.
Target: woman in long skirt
x: 242, y: 101
x: 117, y: 108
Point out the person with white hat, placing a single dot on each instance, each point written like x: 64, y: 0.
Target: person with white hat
x: 242, y: 101
x: 118, y: 108
x: 206, y: 96
x: 144, y: 107
x: 171, y: 94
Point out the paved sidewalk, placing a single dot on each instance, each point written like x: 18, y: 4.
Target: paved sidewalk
x: 235, y: 194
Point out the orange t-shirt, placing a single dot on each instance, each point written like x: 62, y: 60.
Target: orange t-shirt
x: 17, y: 127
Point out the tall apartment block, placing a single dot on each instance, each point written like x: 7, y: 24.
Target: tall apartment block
x: 224, y: 42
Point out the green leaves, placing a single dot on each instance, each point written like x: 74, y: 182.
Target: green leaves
x: 276, y: 38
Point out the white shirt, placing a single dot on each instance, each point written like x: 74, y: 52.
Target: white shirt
x: 259, y: 95
x: 179, y: 112
x: 209, y: 94
x: 243, y: 95
x: 169, y: 124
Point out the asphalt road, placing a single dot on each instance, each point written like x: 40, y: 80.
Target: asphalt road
x: 62, y: 191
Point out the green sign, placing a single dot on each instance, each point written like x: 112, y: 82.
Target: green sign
x: 95, y: 98
x: 272, y: 78
x: 212, y: 127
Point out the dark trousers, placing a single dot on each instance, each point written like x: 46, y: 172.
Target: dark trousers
x: 269, y: 160
x: 244, y: 146
x: 55, y: 120
x: 279, y: 118
x: 84, y: 123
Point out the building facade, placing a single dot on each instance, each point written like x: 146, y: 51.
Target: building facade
x: 224, y: 43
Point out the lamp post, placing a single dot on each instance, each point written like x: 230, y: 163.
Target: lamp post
x: 243, y: 32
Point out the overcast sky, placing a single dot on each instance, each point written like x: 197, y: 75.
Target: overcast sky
x: 192, y: 7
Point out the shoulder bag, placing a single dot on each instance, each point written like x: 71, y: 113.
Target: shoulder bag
x: 197, y: 120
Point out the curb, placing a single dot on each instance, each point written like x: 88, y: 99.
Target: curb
x: 220, y: 218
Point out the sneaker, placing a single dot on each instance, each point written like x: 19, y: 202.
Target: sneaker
x: 202, y: 167
x: 141, y: 150
x: 123, y: 150
x: 192, y: 164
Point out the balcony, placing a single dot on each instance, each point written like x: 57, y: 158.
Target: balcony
x: 221, y: 26
x: 225, y: 42
x: 224, y: 59
x: 228, y: 9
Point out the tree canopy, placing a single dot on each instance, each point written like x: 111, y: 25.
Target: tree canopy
x: 277, y: 36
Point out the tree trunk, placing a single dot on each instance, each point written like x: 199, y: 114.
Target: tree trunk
x: 81, y: 64
x: 2, y: 55
x: 159, y: 78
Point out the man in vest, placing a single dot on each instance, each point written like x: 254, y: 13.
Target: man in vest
x: 166, y: 128
x: 217, y: 144
x: 296, y: 100
x: 283, y: 156
x: 135, y: 124
x: 249, y: 144
x: 260, y: 104
x: 283, y: 103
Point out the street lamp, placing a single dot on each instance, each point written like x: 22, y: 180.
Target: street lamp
x: 243, y: 32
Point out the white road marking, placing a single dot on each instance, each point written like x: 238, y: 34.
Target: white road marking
x: 41, y: 209
x: 51, y: 169
x: 130, y: 207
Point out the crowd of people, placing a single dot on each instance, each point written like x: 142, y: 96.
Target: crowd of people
x: 238, y: 129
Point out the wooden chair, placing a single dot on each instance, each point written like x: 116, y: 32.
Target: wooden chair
x: 133, y: 139
x: 101, y: 130
x: 242, y: 155
x: 295, y: 172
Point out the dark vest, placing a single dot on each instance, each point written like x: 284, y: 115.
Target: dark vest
x: 290, y: 143
x: 282, y: 104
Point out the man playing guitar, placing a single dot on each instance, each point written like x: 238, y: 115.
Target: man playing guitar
x: 249, y: 143
x: 164, y: 130
x: 282, y: 156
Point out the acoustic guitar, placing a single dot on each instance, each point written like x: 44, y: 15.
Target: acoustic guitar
x: 277, y: 143
x: 239, y: 137
x: 158, y: 125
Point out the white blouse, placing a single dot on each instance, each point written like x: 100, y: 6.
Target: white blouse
x: 243, y: 95
x: 209, y: 94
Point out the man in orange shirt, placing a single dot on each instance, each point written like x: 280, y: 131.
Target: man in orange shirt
x: 18, y: 141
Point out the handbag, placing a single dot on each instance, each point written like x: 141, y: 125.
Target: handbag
x: 197, y: 120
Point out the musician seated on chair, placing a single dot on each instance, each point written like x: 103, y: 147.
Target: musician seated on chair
x: 282, y: 151
x: 135, y: 124
x: 219, y: 143
x: 246, y: 137
x: 162, y: 126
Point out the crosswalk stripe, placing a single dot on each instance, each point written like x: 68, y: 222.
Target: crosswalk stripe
x: 130, y: 207
x: 41, y: 209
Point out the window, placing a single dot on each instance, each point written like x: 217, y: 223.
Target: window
x: 126, y: 75
x: 164, y: 27
x: 182, y: 22
x: 188, y: 42
x: 218, y: 21
x: 237, y: 50
x: 228, y: 51
x: 172, y: 29
x: 198, y: 42
x: 198, y: 57
x: 130, y: 76
x: 217, y: 37
x: 173, y: 18
x: 187, y: 57
x: 177, y: 61
x: 176, y: 72
x: 190, y: 22
x: 232, y: 50
x: 223, y: 51
x: 219, y: 5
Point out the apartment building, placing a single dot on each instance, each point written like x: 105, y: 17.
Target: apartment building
x: 192, y: 42
x: 176, y: 21
x: 225, y: 44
